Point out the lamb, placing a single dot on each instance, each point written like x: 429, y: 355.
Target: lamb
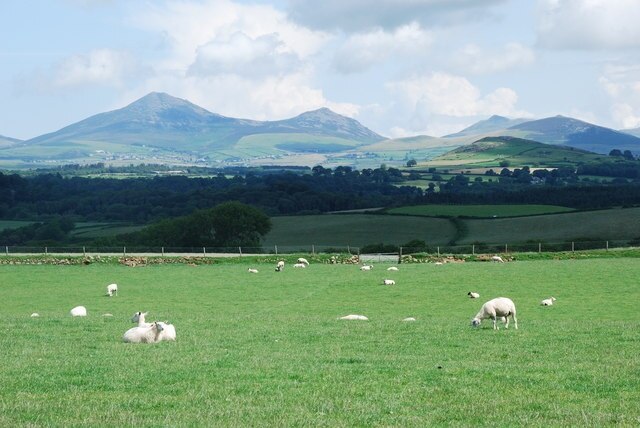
x: 78, y: 311
x: 473, y: 295
x: 366, y: 267
x: 392, y: 268
x: 303, y: 260
x: 497, y: 259
x: 497, y: 308
x: 548, y: 302
x: 251, y: 270
x: 388, y: 282
x: 280, y: 266
x: 300, y: 265
x: 111, y: 289
x: 354, y: 317
x: 146, y: 334
x: 168, y: 331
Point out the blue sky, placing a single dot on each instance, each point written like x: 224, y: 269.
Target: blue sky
x: 401, y: 67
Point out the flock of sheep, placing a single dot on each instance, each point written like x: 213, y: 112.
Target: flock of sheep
x: 500, y: 308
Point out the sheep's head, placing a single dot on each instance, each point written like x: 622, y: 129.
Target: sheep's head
x: 137, y: 315
x: 475, y: 322
x: 159, y: 326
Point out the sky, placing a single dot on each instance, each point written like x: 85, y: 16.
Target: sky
x: 401, y: 67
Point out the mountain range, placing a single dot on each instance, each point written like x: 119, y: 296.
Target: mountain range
x: 159, y: 128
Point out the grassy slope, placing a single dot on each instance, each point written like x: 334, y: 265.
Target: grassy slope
x: 479, y: 210
x: 267, y: 350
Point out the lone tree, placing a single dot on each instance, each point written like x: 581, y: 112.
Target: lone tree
x: 230, y: 224
x: 411, y: 163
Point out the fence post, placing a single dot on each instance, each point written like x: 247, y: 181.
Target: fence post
x: 473, y: 249
x: 240, y: 251
x: 506, y: 248
x: 607, y: 245
x: 276, y: 248
x: 438, y: 251
x: 46, y: 251
x: 6, y: 250
x: 84, y: 251
x: 539, y: 247
x: 348, y: 249
x: 572, y: 247
x: 313, y: 250
x: 124, y: 251
x: 204, y: 252
x: 162, y: 250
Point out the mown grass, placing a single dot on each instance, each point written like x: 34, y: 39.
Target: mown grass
x: 478, y: 210
x: 267, y: 350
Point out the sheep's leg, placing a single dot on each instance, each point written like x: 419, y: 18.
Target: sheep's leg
x: 494, y: 319
x: 506, y: 321
x: 515, y: 321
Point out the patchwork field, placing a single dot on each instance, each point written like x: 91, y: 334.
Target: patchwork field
x: 266, y: 349
x: 479, y: 210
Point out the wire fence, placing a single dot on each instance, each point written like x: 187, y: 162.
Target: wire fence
x: 437, y: 250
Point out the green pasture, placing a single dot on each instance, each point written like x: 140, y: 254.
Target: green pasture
x: 478, y: 210
x: 267, y: 349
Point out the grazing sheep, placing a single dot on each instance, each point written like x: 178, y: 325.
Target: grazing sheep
x: 497, y: 259
x: 388, y: 282
x: 78, y: 311
x: 409, y: 319
x: 438, y: 263
x: 280, y: 266
x: 497, y: 308
x: 35, y: 315
x: 300, y: 265
x: 354, y: 317
x: 250, y: 270
x: 473, y: 295
x: 303, y: 260
x: 168, y: 331
x: 392, y: 268
x: 548, y: 302
x: 366, y: 267
x: 146, y: 334
x: 112, y: 289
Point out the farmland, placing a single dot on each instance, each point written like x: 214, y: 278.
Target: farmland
x: 478, y: 210
x: 266, y: 349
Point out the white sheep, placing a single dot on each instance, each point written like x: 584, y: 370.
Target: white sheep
x: 409, y: 319
x: 392, y: 268
x: 280, y: 266
x: 388, y: 282
x: 497, y: 259
x: 366, y: 267
x: 145, y: 334
x: 112, y: 289
x: 139, y: 317
x: 168, y: 331
x: 497, y: 308
x: 303, y: 260
x: 35, y: 315
x: 473, y: 295
x: 548, y: 302
x: 251, y: 270
x: 354, y: 317
x: 300, y: 265
x: 438, y: 263
x: 78, y: 311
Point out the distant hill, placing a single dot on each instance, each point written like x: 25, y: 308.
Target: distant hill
x: 494, y: 123
x: 8, y: 141
x: 575, y: 133
x: 490, y: 152
x: 157, y: 125
x: 634, y: 131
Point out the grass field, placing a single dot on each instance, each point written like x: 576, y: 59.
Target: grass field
x: 267, y: 350
x: 478, y: 210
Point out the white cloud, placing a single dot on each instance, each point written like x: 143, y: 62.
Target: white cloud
x: 622, y: 84
x: 588, y: 24
x: 445, y: 98
x: 363, y: 50
x: 98, y: 67
x: 472, y: 58
x: 362, y: 15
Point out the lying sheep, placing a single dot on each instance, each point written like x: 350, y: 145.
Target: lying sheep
x: 112, y: 289
x: 168, y: 331
x: 303, y: 260
x: 496, y: 308
x: 392, y: 268
x: 366, y: 267
x: 354, y: 317
x: 300, y: 265
x: 409, y: 319
x: 35, y: 315
x: 280, y: 266
x: 78, y: 311
x: 497, y: 259
x: 473, y: 295
x: 388, y: 282
x: 251, y: 270
x: 139, y: 317
x: 145, y: 334
x: 548, y: 302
